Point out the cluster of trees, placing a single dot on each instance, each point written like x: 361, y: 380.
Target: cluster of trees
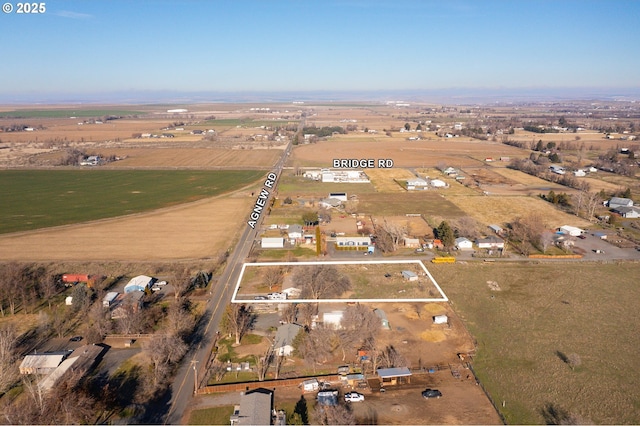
x: 531, y: 167
x: 321, y: 281
x: 19, y: 127
x: 563, y: 199
x: 538, y: 129
x: 358, y: 329
x: 612, y: 162
x: 528, y: 233
x: 324, y: 131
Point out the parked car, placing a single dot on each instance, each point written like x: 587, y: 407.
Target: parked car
x: 431, y: 393
x: 260, y: 298
x: 161, y: 283
x: 353, y: 397
x: 75, y: 339
x: 582, y: 237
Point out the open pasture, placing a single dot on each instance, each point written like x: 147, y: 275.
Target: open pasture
x: 35, y: 199
x: 384, y: 180
x: 504, y: 209
x: 186, y: 157
x: 542, y: 314
x: 427, y: 203
x: 404, y: 153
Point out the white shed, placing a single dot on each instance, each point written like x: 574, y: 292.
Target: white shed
x: 409, y: 275
x: 268, y: 242
x: 437, y: 183
x: 463, y: 243
x: 440, y: 319
x: 571, y: 230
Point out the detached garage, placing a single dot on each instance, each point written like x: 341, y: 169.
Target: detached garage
x: 273, y: 242
x: 139, y: 283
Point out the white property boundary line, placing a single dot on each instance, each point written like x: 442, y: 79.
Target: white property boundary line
x: 444, y: 297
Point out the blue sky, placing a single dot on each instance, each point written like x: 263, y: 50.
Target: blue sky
x: 103, y: 46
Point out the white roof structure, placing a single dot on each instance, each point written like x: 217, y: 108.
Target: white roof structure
x: 48, y: 382
x: 437, y: 183
x: 272, y: 242
x: 41, y: 363
x: 138, y: 283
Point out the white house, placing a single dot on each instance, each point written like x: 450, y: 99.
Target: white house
x: 285, y: 336
x: 411, y: 242
x: 416, y: 183
x: 463, y: 243
x: 490, y: 242
x: 437, y: 183
x: 272, y: 242
x: 579, y: 173
x: 440, y: 319
x: 619, y: 202
x: 295, y: 233
x: 628, y: 212
x: 353, y: 241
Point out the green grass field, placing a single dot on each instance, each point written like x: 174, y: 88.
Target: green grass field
x: 545, y: 312
x: 211, y: 416
x: 33, y: 199
x: 427, y: 203
x: 66, y: 113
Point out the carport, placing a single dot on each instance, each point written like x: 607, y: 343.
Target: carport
x: 394, y: 376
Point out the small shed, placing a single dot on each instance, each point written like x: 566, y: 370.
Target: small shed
x: 440, y: 319
x: 394, y: 376
x: 409, y: 275
x: 332, y: 319
x: 571, y: 230
x: 383, y: 318
x: 496, y: 228
x: 68, y: 300
x: 44, y: 363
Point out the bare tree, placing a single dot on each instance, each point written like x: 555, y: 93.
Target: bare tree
x: 546, y: 239
x: 467, y: 227
x: 574, y: 360
x: 333, y: 415
x: 48, y: 287
x: 320, y: 281
x: 180, y: 321
x: 395, y: 231
x: 273, y: 276
x: 99, y: 322
x: 8, y: 356
x: 237, y: 320
x: 263, y: 362
x: 164, y: 351
x: 181, y: 280
x: 306, y: 314
x: 359, y: 324
x: 389, y: 357
x: 289, y: 313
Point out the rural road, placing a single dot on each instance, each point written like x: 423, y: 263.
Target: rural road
x: 195, y: 361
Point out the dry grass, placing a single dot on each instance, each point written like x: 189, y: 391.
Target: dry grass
x: 384, y: 180
x: 191, y: 231
x: 589, y: 309
x: 502, y: 210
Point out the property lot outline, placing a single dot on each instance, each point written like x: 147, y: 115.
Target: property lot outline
x: 419, y: 263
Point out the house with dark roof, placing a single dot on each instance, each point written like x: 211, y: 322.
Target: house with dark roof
x: 256, y: 408
x: 286, y: 334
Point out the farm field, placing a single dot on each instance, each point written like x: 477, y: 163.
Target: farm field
x: 427, y: 203
x: 35, y: 199
x: 404, y: 153
x: 199, y: 230
x: 542, y: 315
x: 504, y: 209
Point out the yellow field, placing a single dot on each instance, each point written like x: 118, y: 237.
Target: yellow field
x: 192, y: 231
x: 501, y: 210
x: 529, y: 180
x: 383, y: 179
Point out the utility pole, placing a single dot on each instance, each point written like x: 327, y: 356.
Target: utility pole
x: 195, y: 376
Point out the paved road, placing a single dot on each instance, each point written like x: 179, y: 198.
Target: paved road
x: 183, y: 387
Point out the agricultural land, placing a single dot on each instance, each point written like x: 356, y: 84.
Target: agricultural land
x: 539, y: 300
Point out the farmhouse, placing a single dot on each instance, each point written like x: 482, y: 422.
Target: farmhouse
x: 255, y: 408
x: 463, y: 243
x: 490, y: 242
x: 139, y: 283
x: 628, y: 212
x: 295, y: 233
x: 283, y: 341
x: 272, y: 242
x: 619, y: 202
x: 353, y: 241
x: 416, y: 184
x: 44, y: 363
x: 409, y: 275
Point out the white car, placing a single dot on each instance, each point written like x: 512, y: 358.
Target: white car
x: 353, y: 397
